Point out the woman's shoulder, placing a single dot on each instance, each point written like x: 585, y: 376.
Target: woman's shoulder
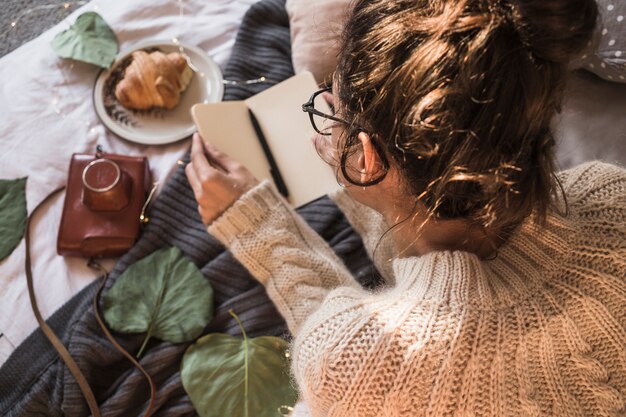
x: 398, y: 352
x: 595, y: 186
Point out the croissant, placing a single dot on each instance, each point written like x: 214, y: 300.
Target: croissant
x: 153, y: 80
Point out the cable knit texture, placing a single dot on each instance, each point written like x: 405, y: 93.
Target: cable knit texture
x: 539, y: 331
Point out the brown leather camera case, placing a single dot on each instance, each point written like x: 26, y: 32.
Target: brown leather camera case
x: 87, y: 232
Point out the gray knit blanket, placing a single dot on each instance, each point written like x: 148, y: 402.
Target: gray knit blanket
x: 34, y: 382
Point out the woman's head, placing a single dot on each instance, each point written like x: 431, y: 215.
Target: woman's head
x: 460, y: 96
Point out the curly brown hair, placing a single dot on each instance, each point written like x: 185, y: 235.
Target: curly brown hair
x: 460, y: 95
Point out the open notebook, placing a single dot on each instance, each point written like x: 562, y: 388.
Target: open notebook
x: 229, y: 127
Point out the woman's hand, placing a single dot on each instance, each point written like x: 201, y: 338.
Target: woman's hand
x: 217, y: 180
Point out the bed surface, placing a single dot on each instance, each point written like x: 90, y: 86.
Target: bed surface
x: 47, y: 115
x: 33, y: 381
x: 591, y: 126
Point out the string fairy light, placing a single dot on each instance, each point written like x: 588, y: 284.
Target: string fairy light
x: 65, y: 65
x: 182, y: 51
x: 284, y: 410
x: 55, y: 101
x: 68, y: 65
x: 62, y: 65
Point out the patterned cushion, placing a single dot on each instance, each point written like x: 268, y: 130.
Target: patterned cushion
x: 605, y: 55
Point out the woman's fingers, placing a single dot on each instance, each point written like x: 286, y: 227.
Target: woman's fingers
x: 205, y: 156
x: 221, y: 159
x: 199, y: 160
x: 217, y: 180
x: 194, y: 181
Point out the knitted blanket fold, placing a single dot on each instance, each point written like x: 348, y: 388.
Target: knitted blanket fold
x: 34, y: 381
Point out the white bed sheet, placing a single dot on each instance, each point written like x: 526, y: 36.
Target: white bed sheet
x: 47, y: 114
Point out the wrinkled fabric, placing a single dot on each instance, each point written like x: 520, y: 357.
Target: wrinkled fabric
x: 34, y: 381
x: 46, y: 114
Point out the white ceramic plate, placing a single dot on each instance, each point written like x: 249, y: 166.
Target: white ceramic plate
x: 159, y: 126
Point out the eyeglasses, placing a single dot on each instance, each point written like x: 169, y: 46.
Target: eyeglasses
x: 319, y: 119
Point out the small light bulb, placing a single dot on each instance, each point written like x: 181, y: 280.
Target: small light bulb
x: 66, y: 5
x: 13, y: 24
x: 175, y: 40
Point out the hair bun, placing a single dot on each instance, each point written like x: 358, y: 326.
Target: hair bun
x: 554, y: 30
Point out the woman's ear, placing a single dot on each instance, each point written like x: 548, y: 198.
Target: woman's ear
x: 369, y: 162
x: 330, y: 100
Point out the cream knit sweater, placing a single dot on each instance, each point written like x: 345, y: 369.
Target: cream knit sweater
x: 539, y: 331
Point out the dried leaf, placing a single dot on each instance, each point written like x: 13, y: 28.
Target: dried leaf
x: 163, y: 294
x: 227, y: 376
x: 89, y: 39
x: 13, y: 214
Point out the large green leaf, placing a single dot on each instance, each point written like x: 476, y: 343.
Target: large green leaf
x: 228, y: 376
x: 163, y: 294
x: 12, y: 214
x: 89, y: 39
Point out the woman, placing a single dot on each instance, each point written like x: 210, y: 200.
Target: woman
x: 506, y: 284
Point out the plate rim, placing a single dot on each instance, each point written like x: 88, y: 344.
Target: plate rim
x: 100, y: 78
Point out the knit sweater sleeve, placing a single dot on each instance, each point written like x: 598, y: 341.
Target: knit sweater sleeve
x: 454, y: 333
x: 297, y: 267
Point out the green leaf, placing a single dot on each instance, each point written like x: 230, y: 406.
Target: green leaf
x: 89, y: 39
x: 228, y: 376
x: 163, y: 294
x: 13, y: 214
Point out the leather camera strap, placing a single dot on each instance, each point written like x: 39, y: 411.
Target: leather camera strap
x: 58, y: 345
x: 107, y: 333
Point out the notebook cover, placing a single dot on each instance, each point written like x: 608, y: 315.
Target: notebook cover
x: 286, y: 128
